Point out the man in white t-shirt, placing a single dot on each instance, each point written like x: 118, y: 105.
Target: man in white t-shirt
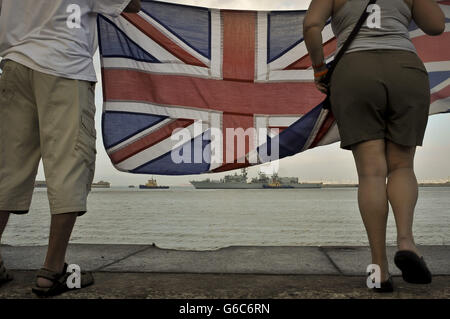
x: 47, y: 111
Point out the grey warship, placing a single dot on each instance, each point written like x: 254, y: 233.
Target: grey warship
x: 240, y: 181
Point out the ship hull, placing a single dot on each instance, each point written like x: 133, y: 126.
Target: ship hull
x: 153, y: 187
x: 306, y: 185
x: 218, y: 185
x: 294, y: 186
x: 212, y: 185
x: 277, y: 187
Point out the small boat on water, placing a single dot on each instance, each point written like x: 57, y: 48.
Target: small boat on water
x: 101, y: 184
x: 40, y: 184
x: 152, y: 184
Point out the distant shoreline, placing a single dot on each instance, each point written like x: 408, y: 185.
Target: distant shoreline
x: 447, y: 184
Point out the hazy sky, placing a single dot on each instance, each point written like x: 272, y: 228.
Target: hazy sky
x: 327, y: 163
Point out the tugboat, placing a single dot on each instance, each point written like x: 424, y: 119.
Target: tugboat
x: 152, y: 184
x: 101, y: 184
x: 40, y: 184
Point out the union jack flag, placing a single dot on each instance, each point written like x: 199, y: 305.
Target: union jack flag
x: 172, y: 66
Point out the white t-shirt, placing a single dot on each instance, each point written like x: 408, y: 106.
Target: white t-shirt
x: 56, y: 37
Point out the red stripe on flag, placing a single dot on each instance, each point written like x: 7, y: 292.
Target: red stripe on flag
x: 157, y: 36
x: 442, y: 94
x: 305, y: 62
x: 243, y: 98
x: 433, y: 49
x: 444, y: 2
x: 232, y: 121
x: 239, y: 45
x: 327, y: 124
x: 230, y: 167
x: 148, y: 141
x: 279, y: 128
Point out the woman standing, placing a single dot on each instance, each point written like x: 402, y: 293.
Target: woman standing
x: 380, y: 97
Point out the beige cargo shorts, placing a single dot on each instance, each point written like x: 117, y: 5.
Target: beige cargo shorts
x: 48, y: 117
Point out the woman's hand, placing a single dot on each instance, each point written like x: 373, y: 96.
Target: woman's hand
x: 318, y: 13
x: 319, y: 77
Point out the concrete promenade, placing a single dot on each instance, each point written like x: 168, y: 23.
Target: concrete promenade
x: 146, y: 271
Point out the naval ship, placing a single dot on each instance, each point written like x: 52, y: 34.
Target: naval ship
x: 240, y: 181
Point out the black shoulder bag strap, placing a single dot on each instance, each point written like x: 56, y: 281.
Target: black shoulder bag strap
x: 344, y: 49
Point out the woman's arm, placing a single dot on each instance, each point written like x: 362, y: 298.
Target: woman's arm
x: 317, y: 16
x: 133, y: 7
x: 428, y: 16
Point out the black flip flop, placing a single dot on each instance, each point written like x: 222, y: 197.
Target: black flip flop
x: 385, y: 286
x: 414, y: 269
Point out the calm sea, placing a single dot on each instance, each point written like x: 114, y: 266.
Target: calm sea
x: 185, y: 218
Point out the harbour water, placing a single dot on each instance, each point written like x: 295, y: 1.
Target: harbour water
x: 185, y: 218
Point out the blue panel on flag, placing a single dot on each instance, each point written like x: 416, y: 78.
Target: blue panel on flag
x: 114, y: 43
x: 192, y: 25
x: 285, y: 32
x: 437, y: 78
x: 120, y: 126
x: 293, y: 139
x: 165, y: 165
x: 413, y: 26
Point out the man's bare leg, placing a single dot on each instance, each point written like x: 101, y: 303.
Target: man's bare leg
x: 4, y: 217
x: 60, y: 230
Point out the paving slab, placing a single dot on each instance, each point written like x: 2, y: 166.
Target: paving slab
x: 87, y: 256
x: 238, y: 259
x: 354, y: 260
x: 110, y: 285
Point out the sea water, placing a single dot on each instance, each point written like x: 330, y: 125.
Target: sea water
x: 186, y: 218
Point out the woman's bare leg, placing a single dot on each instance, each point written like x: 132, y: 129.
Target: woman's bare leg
x: 370, y: 159
x: 403, y: 192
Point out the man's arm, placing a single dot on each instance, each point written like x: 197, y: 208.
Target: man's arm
x: 133, y: 7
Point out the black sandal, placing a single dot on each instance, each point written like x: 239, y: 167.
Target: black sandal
x: 5, y: 275
x: 414, y: 269
x: 385, y: 286
x: 59, y: 281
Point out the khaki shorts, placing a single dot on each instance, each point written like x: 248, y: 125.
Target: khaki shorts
x: 381, y: 94
x: 48, y: 117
